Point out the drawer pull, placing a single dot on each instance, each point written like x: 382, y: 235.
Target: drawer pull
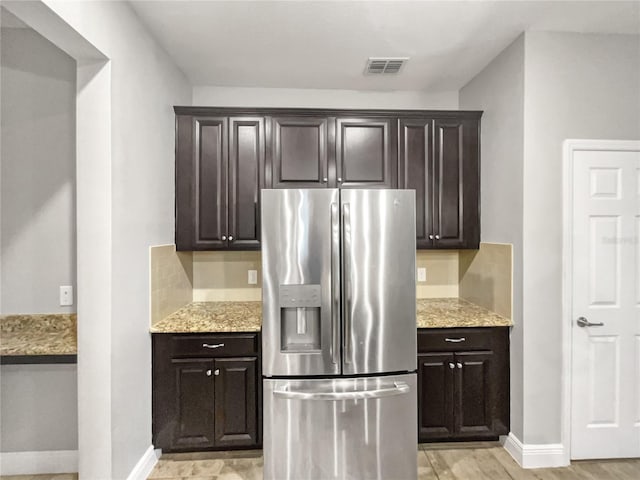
x: 217, y: 345
x: 455, y: 340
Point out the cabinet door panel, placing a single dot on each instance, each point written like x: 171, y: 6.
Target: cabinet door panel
x: 456, y: 186
x: 193, y: 404
x: 474, y: 393
x: 435, y: 396
x: 210, y: 182
x: 236, y: 402
x: 366, y: 153
x: 416, y: 172
x: 246, y: 164
x: 300, y: 152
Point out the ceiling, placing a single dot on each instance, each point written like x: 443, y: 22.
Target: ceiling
x: 323, y: 44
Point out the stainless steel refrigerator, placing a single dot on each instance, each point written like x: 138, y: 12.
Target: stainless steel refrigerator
x: 339, y: 334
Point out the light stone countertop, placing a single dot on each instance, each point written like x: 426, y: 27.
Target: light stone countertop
x: 38, y: 334
x: 214, y: 317
x: 456, y: 313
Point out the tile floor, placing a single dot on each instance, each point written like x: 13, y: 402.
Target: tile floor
x: 472, y: 461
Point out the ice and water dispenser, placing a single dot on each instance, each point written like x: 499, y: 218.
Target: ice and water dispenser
x: 300, y: 318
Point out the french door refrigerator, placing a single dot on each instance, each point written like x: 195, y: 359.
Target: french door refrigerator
x: 339, y: 334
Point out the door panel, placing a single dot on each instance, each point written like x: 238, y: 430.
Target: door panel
x: 379, y: 281
x: 300, y: 283
x: 300, y: 147
x: 415, y: 172
x: 210, y: 183
x: 366, y: 153
x: 435, y: 396
x: 236, y: 419
x: 474, y: 395
x: 193, y: 403
x: 606, y: 376
x: 328, y: 438
x: 246, y: 164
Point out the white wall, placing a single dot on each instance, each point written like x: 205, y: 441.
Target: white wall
x: 135, y: 211
x: 292, y: 97
x: 38, y: 408
x: 499, y: 90
x: 576, y: 86
x: 38, y: 173
x: 537, y: 93
x: 39, y: 402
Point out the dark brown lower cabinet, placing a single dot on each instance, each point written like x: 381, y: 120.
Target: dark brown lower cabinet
x: 206, y: 391
x: 463, y: 376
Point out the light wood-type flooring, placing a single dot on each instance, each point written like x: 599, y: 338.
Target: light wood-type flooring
x: 476, y: 461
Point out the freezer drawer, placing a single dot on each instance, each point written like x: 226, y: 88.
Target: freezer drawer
x: 344, y: 428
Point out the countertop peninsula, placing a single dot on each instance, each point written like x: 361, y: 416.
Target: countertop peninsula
x: 214, y: 317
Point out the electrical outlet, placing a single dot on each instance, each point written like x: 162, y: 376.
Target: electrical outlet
x: 253, y: 277
x: 66, y: 295
x: 422, y: 274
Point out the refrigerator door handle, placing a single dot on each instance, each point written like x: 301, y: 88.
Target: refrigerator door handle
x: 346, y: 279
x: 398, y: 388
x: 335, y: 282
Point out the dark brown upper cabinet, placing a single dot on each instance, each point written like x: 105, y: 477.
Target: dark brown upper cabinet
x: 440, y: 160
x: 300, y: 152
x: 219, y: 173
x: 366, y: 154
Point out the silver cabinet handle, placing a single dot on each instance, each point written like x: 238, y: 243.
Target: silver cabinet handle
x: 346, y: 278
x: 451, y: 365
x: 325, y: 179
x: 208, y: 373
x: 458, y: 364
x: 339, y: 179
x: 216, y: 372
x: 335, y: 283
x: 217, y: 345
x: 583, y: 322
x: 398, y: 388
x: 224, y: 237
x: 230, y: 238
x: 430, y: 237
x: 455, y: 340
x: 437, y: 237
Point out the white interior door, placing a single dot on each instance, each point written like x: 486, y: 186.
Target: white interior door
x: 605, y: 397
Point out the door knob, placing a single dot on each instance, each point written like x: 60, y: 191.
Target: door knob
x: 437, y: 237
x: 451, y: 365
x: 230, y: 238
x: 224, y: 237
x: 339, y: 179
x: 208, y: 373
x: 216, y: 371
x: 583, y: 322
x: 459, y: 365
x: 430, y: 237
x: 324, y: 180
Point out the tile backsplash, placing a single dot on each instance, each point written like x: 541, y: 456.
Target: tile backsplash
x: 486, y: 277
x: 171, y: 280
x: 177, y: 278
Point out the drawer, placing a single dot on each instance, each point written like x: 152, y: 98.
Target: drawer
x: 458, y: 339
x: 214, y: 345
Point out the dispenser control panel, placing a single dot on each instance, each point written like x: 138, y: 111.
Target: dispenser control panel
x: 299, y: 296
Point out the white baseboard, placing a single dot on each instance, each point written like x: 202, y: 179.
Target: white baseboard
x: 34, y: 463
x: 535, y: 456
x: 144, y: 466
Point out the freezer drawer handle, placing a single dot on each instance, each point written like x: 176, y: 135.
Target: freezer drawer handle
x: 455, y: 340
x: 217, y: 345
x: 398, y: 388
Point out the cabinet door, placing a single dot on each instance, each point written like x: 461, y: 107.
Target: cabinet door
x: 246, y: 178
x: 416, y: 172
x: 236, y: 402
x: 192, y: 404
x: 201, y: 183
x: 300, y: 152
x: 456, y: 183
x: 474, y: 394
x: 435, y: 396
x: 366, y: 153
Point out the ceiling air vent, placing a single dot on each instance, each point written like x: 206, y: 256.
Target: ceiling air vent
x: 386, y: 65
